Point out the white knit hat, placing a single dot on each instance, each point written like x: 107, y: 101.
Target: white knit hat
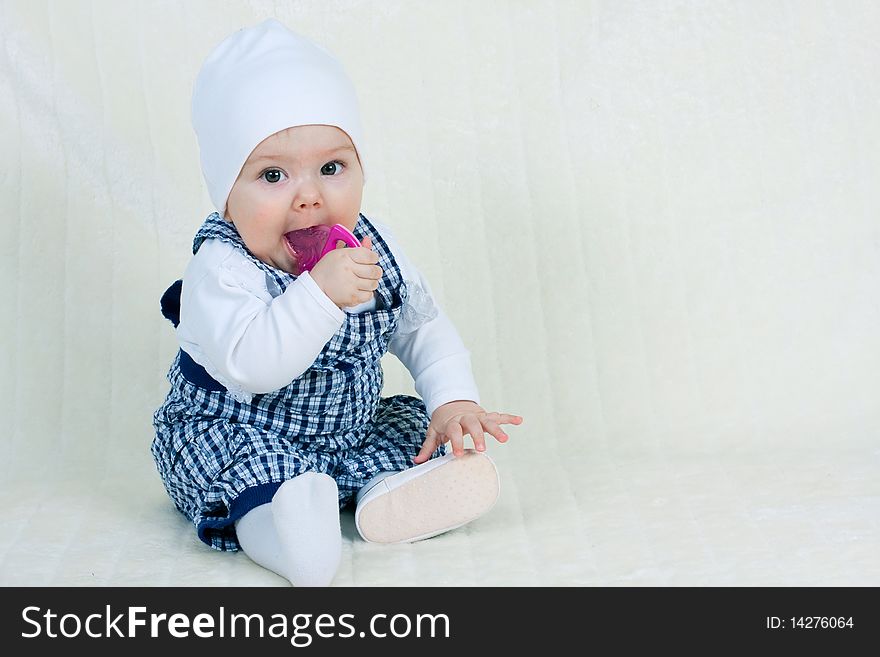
x: 258, y: 81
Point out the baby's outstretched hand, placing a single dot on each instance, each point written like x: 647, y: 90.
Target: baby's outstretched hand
x: 349, y: 276
x: 452, y: 421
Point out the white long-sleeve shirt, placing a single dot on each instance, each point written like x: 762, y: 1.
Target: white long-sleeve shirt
x: 251, y: 341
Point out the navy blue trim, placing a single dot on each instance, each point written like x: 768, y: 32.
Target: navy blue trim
x: 170, y: 302
x: 249, y: 498
x: 190, y: 369
x: 196, y: 374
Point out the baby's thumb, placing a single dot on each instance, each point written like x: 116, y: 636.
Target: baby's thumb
x: 367, y: 243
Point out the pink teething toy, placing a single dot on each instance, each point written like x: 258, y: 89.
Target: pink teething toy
x: 313, y: 243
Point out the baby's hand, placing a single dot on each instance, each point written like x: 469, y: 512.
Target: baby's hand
x: 452, y: 421
x: 348, y: 276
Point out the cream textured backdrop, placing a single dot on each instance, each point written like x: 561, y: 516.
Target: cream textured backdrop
x: 655, y: 224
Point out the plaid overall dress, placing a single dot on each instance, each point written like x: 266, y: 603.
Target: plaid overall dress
x: 220, y: 456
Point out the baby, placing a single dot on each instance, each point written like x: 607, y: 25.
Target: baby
x: 274, y: 419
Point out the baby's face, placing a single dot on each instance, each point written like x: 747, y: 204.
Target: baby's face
x: 296, y: 178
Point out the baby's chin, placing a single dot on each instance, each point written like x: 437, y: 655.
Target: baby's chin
x: 288, y: 265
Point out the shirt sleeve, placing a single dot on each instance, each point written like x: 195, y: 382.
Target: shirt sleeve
x: 240, y: 334
x: 428, y: 343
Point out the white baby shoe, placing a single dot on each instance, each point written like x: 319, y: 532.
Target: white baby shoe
x: 428, y: 499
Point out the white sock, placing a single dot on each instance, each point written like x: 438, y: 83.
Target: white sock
x: 259, y: 540
x: 298, y: 535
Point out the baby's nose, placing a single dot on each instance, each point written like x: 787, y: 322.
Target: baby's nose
x: 305, y: 202
x: 307, y: 196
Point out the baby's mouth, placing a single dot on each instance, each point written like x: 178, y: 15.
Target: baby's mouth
x: 306, y: 245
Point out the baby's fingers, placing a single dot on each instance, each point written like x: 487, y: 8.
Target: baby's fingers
x: 456, y: 438
x: 364, y: 254
x: 491, y: 427
x: 368, y: 272
x: 474, y: 427
x: 492, y: 424
x: 432, y: 442
x: 503, y: 418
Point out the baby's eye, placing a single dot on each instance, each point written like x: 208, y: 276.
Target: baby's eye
x: 272, y: 175
x: 332, y: 168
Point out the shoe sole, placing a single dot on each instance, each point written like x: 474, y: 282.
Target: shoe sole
x: 412, y: 506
